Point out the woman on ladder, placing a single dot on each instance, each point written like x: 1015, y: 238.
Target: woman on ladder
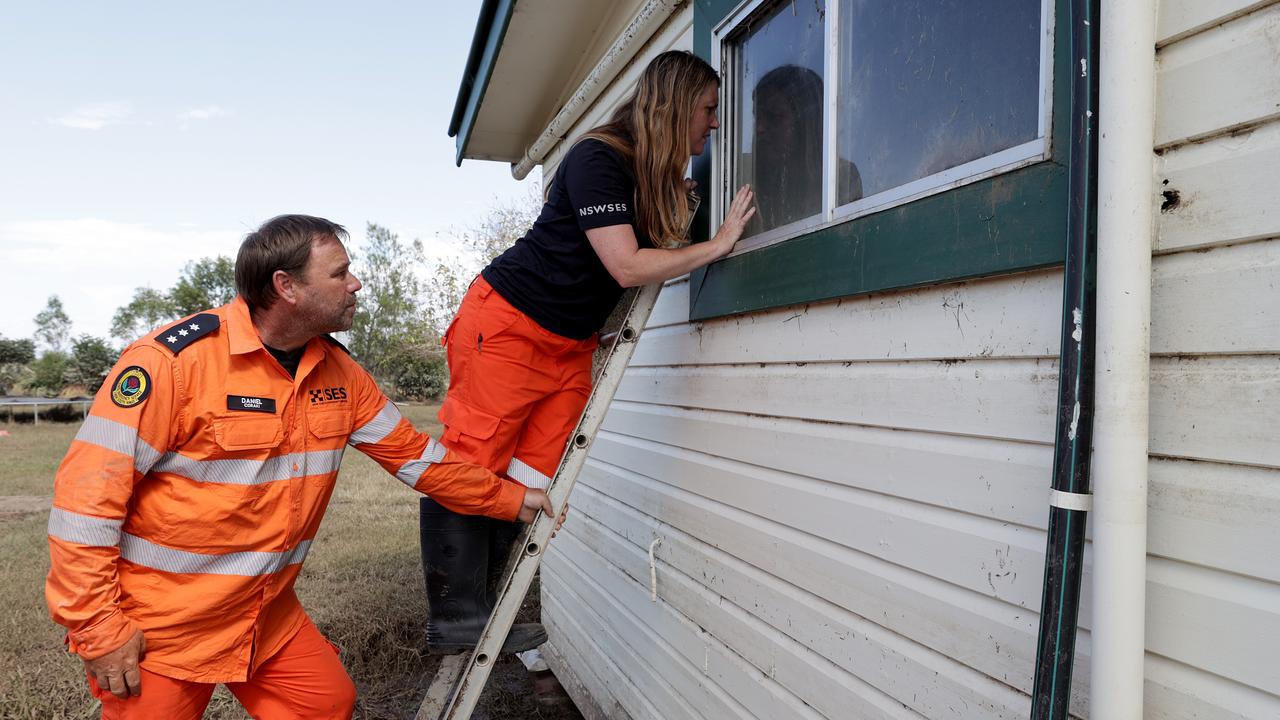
x: 520, y: 347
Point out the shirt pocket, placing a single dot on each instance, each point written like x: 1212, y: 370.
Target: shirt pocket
x: 247, y: 433
x: 331, y: 424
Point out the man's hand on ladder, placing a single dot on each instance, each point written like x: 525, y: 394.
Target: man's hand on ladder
x: 536, y: 500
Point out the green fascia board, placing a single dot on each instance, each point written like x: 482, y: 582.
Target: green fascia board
x: 486, y: 43
x: 1008, y: 223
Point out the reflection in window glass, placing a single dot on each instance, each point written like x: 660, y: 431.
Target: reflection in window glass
x: 927, y: 85
x: 778, y: 133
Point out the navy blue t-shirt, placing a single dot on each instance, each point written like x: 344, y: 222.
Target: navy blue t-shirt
x: 552, y: 274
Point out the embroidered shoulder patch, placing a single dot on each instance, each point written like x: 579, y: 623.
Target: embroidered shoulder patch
x: 179, y: 336
x: 131, y: 387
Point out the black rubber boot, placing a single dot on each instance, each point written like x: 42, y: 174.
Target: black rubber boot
x: 502, y: 537
x: 455, y: 562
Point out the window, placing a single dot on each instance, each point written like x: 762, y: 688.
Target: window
x: 777, y: 70
x: 874, y: 133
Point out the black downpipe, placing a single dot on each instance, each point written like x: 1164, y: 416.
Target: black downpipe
x: 1060, y: 605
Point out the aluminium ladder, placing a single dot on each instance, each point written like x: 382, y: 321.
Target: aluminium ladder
x: 456, y: 688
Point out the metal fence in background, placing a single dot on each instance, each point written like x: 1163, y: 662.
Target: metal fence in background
x: 14, y: 403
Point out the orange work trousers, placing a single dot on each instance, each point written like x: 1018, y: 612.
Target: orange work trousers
x: 516, y: 389
x: 305, y: 680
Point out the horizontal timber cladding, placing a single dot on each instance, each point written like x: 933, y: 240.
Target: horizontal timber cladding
x: 1195, y: 99
x: 1217, y: 515
x: 579, y: 635
x: 814, y: 648
x: 1213, y: 587
x: 1192, y: 293
x: 604, y: 568
x: 892, y: 578
x: 978, y: 554
x: 1214, y: 620
x: 1216, y: 408
x: 666, y: 673
x: 1010, y: 399
x: 672, y: 307
x: 1199, y: 511
x: 926, y: 622
x: 1219, y: 191
x: 1175, y: 691
x: 993, y: 318
x: 578, y: 673
x: 997, y: 479
x: 1178, y: 19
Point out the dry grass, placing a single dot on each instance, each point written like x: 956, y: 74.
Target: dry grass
x: 362, y: 584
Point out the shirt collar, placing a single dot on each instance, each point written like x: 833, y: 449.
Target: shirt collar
x: 243, y: 335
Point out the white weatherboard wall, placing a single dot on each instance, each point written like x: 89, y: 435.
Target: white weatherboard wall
x: 850, y: 496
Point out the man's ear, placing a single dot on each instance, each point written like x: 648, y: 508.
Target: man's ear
x: 286, y: 286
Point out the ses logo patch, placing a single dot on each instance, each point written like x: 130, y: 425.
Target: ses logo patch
x: 332, y: 394
x: 131, y: 387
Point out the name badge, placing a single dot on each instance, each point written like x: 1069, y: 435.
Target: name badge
x: 251, y: 404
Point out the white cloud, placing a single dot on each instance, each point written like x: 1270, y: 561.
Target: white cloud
x: 203, y: 113
x: 94, y: 266
x: 95, y: 116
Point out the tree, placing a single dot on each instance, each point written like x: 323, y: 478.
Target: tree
x: 48, y: 372
x: 387, y: 316
x: 20, y: 351
x: 15, y: 356
x: 499, y: 230
x: 91, y: 359
x: 148, y: 309
x: 52, y: 324
x: 205, y: 283
x: 417, y: 371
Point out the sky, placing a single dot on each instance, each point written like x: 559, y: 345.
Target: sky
x: 138, y: 136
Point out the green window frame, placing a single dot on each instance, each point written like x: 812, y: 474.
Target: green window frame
x: 1006, y: 223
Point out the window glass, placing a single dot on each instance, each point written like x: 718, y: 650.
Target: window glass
x: 778, y: 68
x: 928, y: 85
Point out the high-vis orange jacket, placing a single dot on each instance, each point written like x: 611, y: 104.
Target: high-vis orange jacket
x: 192, y: 492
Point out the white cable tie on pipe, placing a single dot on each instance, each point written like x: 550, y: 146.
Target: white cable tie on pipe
x: 1070, y: 500
x: 653, y: 571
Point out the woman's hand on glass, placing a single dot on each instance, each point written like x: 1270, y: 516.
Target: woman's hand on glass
x: 735, y: 221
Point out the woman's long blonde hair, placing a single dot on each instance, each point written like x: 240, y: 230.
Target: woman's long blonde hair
x: 651, y: 129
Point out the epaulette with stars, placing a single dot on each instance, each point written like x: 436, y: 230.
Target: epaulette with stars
x: 180, y: 335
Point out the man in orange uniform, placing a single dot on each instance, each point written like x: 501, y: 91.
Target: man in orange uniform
x: 190, y: 496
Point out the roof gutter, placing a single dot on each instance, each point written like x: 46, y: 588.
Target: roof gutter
x: 491, y: 30
x: 642, y: 27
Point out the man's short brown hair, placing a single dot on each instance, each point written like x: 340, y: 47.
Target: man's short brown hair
x: 282, y: 243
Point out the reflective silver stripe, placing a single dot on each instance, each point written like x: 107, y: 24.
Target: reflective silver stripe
x: 120, y: 438
x: 251, y: 472
x: 519, y: 471
x: 142, y: 552
x: 84, y: 529
x: 412, y: 470
x: 379, y: 427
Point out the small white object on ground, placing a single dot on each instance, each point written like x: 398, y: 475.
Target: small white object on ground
x: 532, y: 660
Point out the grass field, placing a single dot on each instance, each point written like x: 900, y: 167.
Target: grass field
x: 362, y: 584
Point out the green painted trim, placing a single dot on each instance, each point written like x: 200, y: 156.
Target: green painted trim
x: 491, y: 30
x: 1008, y: 223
